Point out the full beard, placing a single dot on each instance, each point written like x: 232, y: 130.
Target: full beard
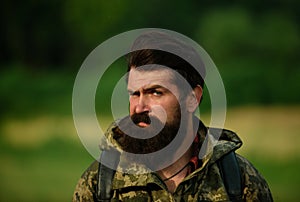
x: 156, y: 142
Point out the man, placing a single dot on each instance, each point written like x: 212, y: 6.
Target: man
x: 164, y: 93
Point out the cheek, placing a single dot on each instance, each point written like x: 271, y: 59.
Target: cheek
x: 133, y: 103
x: 131, y: 107
x: 166, y: 111
x: 174, y: 111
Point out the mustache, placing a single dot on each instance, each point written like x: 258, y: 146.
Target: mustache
x: 128, y: 125
x: 164, y: 134
x: 142, y: 117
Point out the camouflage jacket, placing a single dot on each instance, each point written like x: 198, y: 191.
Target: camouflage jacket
x: 204, y: 184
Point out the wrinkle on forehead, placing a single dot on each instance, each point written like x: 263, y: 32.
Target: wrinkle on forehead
x: 143, y: 79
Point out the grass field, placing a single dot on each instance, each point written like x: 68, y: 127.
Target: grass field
x: 42, y: 156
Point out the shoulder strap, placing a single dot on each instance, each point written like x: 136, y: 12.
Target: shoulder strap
x: 228, y: 165
x: 231, y: 174
x: 105, y: 176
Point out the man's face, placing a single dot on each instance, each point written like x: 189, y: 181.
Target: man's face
x: 155, y: 109
x: 153, y: 93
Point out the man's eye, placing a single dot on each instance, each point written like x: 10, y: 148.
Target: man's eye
x: 157, y: 93
x: 134, y: 93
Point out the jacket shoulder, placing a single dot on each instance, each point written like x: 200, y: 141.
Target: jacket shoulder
x: 86, y: 186
x: 255, y: 187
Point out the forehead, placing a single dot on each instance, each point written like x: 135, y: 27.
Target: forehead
x: 146, y: 78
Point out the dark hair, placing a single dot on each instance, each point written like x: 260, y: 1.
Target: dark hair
x: 150, y: 48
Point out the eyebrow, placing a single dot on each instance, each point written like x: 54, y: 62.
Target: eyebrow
x: 148, y: 88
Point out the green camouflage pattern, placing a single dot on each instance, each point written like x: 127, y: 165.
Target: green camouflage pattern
x: 204, y: 184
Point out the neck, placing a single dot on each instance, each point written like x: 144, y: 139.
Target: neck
x: 175, y: 173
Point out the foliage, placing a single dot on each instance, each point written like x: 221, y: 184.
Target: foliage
x: 43, y: 34
x: 255, y: 45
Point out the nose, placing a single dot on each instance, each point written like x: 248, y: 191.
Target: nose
x: 142, y: 105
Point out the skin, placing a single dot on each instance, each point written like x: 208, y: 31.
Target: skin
x: 156, y: 93
x: 152, y: 92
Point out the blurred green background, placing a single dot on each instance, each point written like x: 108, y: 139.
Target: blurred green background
x: 255, y: 45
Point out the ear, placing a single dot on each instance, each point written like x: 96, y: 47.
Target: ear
x: 194, y: 98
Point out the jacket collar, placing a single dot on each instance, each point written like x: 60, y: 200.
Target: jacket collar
x: 213, y: 143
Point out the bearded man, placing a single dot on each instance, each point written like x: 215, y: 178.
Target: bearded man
x: 155, y: 149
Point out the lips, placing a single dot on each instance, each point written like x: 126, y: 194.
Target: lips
x: 143, y: 124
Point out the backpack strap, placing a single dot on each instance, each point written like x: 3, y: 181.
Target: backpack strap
x: 105, y: 176
x: 231, y: 175
x: 228, y: 166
